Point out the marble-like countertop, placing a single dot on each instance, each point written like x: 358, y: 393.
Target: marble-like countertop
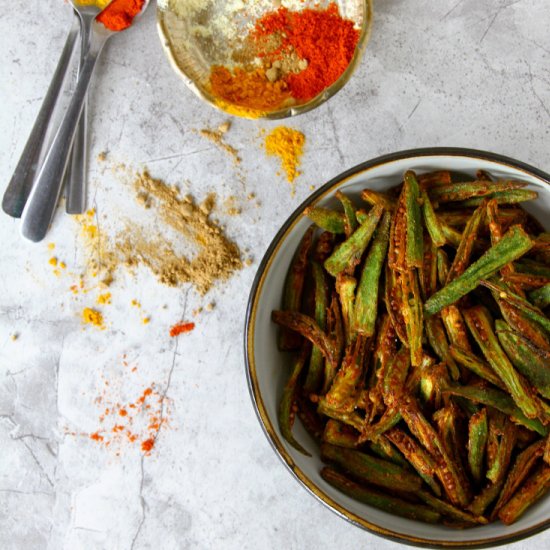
x: 471, y: 73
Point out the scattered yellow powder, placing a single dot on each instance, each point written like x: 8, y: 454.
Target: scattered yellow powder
x: 135, y: 303
x: 14, y: 336
x: 146, y: 320
x: 53, y: 261
x: 210, y: 306
x: 104, y: 298
x: 92, y: 317
x: 51, y: 246
x: 287, y: 144
x: 102, y: 157
x: 62, y: 265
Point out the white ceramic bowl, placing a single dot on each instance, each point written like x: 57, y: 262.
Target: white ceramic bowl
x: 265, y: 363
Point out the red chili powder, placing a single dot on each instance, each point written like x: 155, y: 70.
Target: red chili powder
x: 321, y: 37
x: 147, y: 445
x: 119, y: 14
x: 179, y: 328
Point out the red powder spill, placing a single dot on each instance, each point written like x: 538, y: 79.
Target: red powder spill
x: 96, y: 437
x: 119, y: 14
x: 123, y: 412
x: 179, y: 328
x: 147, y: 445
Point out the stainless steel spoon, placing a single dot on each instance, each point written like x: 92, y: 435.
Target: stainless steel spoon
x: 20, y: 185
x: 77, y: 171
x: 38, y: 212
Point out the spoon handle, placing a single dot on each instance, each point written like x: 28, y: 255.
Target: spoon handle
x: 20, y: 185
x: 76, y: 178
x: 40, y: 207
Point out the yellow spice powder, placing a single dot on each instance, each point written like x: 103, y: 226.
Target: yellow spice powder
x: 287, y: 144
x: 92, y: 317
x: 104, y: 298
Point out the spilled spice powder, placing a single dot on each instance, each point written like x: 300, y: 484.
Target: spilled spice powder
x: 217, y: 137
x: 215, y: 258
x: 92, y: 317
x: 180, y: 328
x: 287, y: 144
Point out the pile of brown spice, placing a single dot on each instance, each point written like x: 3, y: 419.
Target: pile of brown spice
x: 214, y: 256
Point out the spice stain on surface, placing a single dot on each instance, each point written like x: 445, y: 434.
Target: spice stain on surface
x: 288, y: 145
x: 212, y: 256
x: 181, y: 328
x: 92, y: 317
x: 217, y: 137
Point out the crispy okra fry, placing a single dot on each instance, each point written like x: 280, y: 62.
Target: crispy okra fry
x: 525, y: 281
x: 378, y: 499
x: 533, y: 489
x: 350, y: 251
x: 534, y: 367
x: 499, y: 467
x: 456, y: 327
x: 438, y: 340
x: 412, y: 314
x: 530, y: 311
x: 345, y: 287
x: 524, y: 326
x: 420, y: 460
x: 369, y: 469
x: 514, y: 244
x: 477, y: 441
x: 366, y: 300
x: 479, y: 322
x: 286, y: 406
x: 532, y: 267
x: 377, y: 198
x: 443, y: 266
x: 293, y: 290
x: 372, y: 432
x: 352, y: 419
x: 437, y: 177
x: 384, y: 449
x: 431, y: 221
x: 495, y: 230
x: 316, y: 362
x: 323, y: 247
x: 449, y: 510
x: 336, y: 335
x: 464, y: 251
x: 484, y: 499
x: 413, y: 220
x: 462, y: 191
x: 329, y: 220
x: 452, y: 236
x: 520, y: 470
x: 455, y: 486
x: 500, y: 401
x: 502, y: 197
x: 393, y: 296
x: 340, y: 434
x: 349, y: 213
x: 309, y: 329
x: 476, y: 365
x: 311, y: 421
x: 428, y: 278
x: 343, y: 393
x: 395, y: 376
x: 540, y: 297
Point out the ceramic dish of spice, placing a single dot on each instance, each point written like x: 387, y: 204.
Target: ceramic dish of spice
x: 264, y: 58
x: 269, y: 369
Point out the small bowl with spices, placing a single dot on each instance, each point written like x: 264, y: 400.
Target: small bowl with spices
x: 264, y: 58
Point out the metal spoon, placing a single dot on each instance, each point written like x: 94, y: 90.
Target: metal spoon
x: 76, y: 176
x: 40, y: 207
x: 20, y: 185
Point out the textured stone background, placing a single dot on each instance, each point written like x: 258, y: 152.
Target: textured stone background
x: 472, y: 73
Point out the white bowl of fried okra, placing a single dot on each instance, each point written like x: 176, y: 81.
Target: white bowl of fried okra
x: 398, y: 347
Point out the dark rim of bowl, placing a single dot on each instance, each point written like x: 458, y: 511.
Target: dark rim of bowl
x: 263, y: 418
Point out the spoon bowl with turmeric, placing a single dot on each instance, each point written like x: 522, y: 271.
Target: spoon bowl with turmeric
x: 267, y: 59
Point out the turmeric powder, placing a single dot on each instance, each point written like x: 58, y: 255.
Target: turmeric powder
x: 92, y: 317
x: 287, y: 144
x: 250, y: 90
